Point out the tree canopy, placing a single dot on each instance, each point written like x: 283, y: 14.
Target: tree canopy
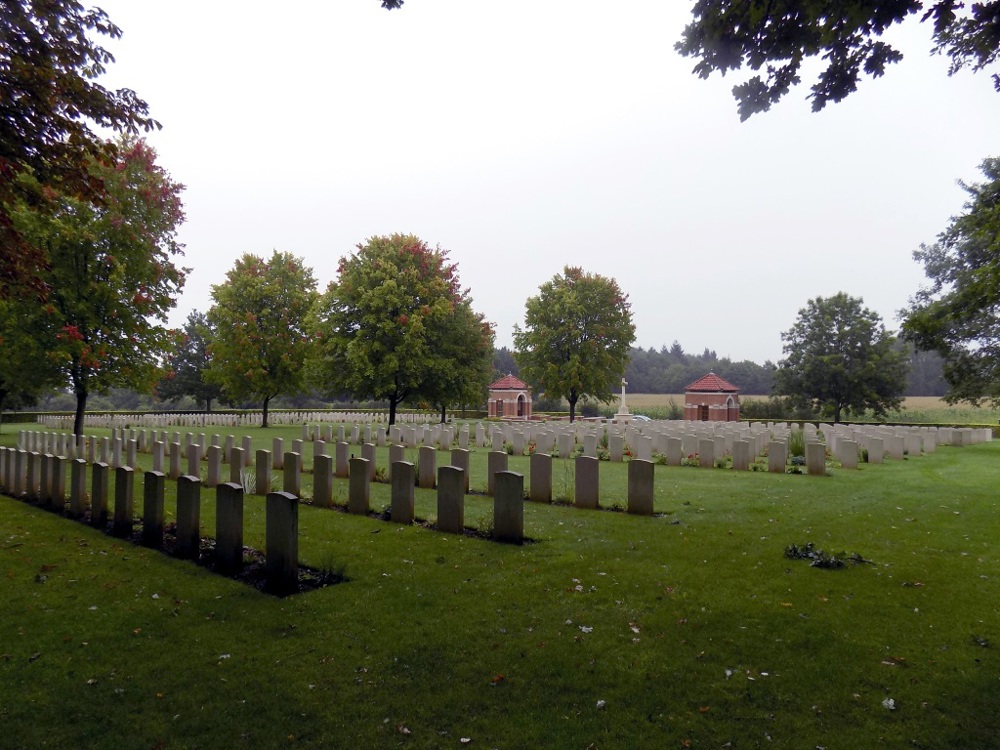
x: 839, y: 358
x: 397, y: 325
x: 110, y: 276
x: 777, y: 36
x: 576, y: 337
x: 50, y: 103
x: 958, y: 315
x: 188, y: 362
x: 259, y: 316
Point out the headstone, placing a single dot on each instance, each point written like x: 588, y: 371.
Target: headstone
x: 359, y: 487
x: 460, y: 460
x: 616, y: 446
x: 777, y: 456
x: 293, y: 472
x: 262, y: 473
x: 278, y: 454
x: 876, y: 449
x: 152, y: 509
x: 706, y: 453
x: 78, y: 488
x: 158, y: 456
x: 848, y: 450
x: 587, y: 482
x: 402, y: 492
x: 236, y: 465
x: 741, y: 455
x: 590, y: 445
x: 675, y: 451
x: 397, y: 453
x: 228, y: 528
x: 248, y: 455
x: 496, y: 461
x: 57, y: 486
x: 282, y: 539
x: 816, y: 459
x: 322, y: 481
x: 124, y: 501
x: 214, y: 468
x: 368, y: 453
x: 175, y: 460
x: 451, y: 499
x: 342, y: 468
x: 508, y: 507
x: 427, y: 467
x: 188, y: 517
x: 194, y: 460
x: 99, y: 485
x: 640, y: 487
x: 540, y: 478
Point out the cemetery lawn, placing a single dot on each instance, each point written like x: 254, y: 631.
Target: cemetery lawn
x: 688, y: 629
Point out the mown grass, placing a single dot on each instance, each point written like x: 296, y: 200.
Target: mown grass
x: 691, y: 627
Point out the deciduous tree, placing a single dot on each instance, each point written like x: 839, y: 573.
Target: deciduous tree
x: 26, y: 369
x: 777, y: 36
x: 839, y: 358
x: 50, y: 102
x: 576, y: 337
x: 110, y: 278
x: 958, y: 315
x: 188, y: 362
x: 461, y: 366
x: 384, y: 326
x: 259, y: 317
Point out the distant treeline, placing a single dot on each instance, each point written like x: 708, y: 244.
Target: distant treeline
x: 671, y: 369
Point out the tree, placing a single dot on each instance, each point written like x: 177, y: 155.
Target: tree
x: 259, y: 318
x: 779, y: 35
x: 383, y: 326
x: 840, y: 358
x: 461, y: 367
x: 26, y: 370
x: 110, y: 278
x: 958, y: 315
x: 49, y: 101
x: 576, y: 337
x: 188, y: 363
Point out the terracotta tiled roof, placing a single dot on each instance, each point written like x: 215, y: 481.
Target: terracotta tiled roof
x: 712, y: 383
x: 509, y: 383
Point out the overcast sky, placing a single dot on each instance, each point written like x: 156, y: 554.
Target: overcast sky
x: 526, y: 135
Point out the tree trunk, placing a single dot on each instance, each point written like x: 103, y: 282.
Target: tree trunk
x: 392, y: 410
x: 208, y: 405
x: 267, y: 400
x: 572, y: 407
x: 3, y: 395
x: 836, y: 415
x: 444, y: 414
x: 81, y: 409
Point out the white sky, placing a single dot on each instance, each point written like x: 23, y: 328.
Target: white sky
x: 525, y: 135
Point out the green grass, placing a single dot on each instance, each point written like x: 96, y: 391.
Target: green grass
x: 703, y: 633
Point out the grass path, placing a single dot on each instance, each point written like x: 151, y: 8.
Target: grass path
x: 692, y: 628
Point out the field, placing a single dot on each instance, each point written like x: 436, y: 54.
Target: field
x: 689, y: 629
x: 918, y: 409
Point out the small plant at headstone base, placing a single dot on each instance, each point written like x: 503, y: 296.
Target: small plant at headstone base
x: 660, y: 459
x: 532, y: 447
x: 691, y: 459
x: 603, y: 442
x: 508, y: 448
x: 381, y: 474
x: 863, y: 455
x: 796, y: 443
x: 248, y: 479
x: 796, y: 464
x: 759, y: 465
x: 603, y: 454
x: 721, y: 462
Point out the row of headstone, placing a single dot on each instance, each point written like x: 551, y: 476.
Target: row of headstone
x: 211, y: 419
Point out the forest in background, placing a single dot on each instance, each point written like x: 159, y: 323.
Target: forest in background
x: 667, y: 370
